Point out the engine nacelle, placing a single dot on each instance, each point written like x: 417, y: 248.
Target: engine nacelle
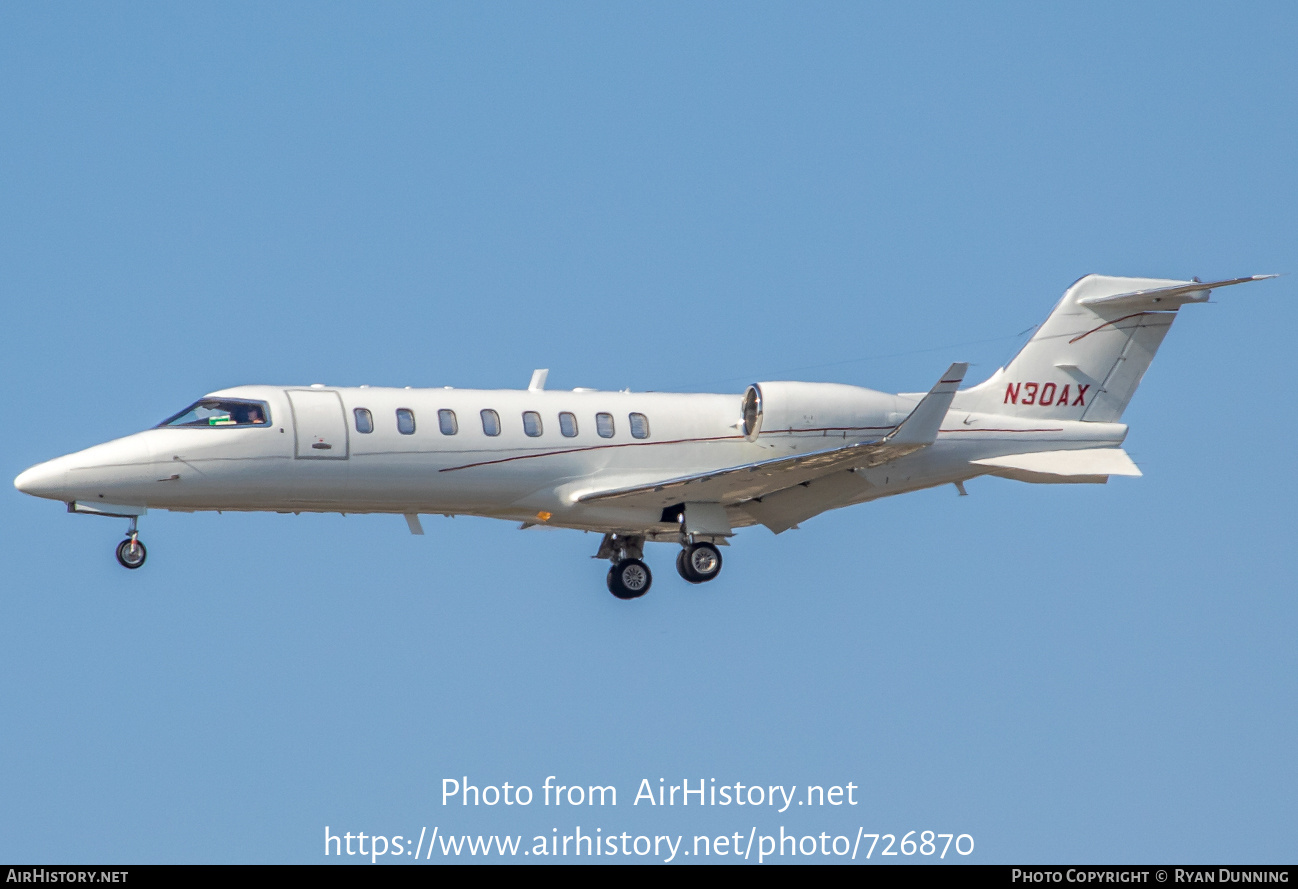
x: 818, y: 409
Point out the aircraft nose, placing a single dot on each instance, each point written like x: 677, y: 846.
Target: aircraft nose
x: 43, y: 480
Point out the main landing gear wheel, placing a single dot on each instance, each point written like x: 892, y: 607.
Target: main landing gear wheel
x: 699, y: 562
x: 131, y: 553
x: 629, y: 579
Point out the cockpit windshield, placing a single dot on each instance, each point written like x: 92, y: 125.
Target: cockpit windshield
x: 221, y: 412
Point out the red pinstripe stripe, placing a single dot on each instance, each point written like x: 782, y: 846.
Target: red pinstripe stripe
x: 1106, y: 324
x: 641, y: 444
x: 625, y: 444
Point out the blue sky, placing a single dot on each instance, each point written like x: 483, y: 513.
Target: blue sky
x: 656, y: 197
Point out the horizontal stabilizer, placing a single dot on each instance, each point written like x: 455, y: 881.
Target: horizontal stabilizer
x: 1066, y: 464
x: 1178, y: 295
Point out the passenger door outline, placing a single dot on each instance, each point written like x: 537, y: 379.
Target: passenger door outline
x: 319, y: 425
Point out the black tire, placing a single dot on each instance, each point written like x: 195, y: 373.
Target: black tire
x: 699, y: 562
x: 683, y: 568
x: 131, y: 553
x: 629, y: 579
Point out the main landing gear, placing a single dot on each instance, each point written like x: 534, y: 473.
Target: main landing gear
x: 130, y: 552
x: 698, y: 562
x: 630, y: 578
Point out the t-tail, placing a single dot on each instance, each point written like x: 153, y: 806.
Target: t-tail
x: 1086, y: 360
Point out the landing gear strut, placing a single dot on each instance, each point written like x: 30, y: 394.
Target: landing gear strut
x: 699, y: 562
x: 130, y: 552
x: 629, y: 578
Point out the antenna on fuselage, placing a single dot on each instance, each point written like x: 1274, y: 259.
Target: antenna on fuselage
x: 538, y: 380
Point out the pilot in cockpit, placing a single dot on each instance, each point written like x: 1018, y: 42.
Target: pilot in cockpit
x: 212, y: 412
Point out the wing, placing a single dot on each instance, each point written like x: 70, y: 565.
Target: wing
x: 734, y: 484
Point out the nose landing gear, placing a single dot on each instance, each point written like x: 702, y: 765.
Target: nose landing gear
x: 130, y: 552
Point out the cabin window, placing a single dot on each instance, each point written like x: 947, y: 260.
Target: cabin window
x: 490, y: 422
x: 568, y: 424
x: 447, y: 423
x: 364, y: 421
x: 604, y: 425
x: 639, y: 426
x: 532, y: 423
x: 405, y: 421
x: 221, y: 412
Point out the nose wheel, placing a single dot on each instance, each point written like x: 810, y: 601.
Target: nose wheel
x: 130, y: 552
x: 699, y: 562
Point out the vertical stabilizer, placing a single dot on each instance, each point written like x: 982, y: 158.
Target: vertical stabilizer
x: 1086, y: 360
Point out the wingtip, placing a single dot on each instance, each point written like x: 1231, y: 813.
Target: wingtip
x: 955, y: 373
x: 1245, y: 280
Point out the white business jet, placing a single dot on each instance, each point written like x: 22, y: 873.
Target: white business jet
x: 687, y: 469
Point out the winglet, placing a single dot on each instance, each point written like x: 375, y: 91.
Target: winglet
x: 920, y: 428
